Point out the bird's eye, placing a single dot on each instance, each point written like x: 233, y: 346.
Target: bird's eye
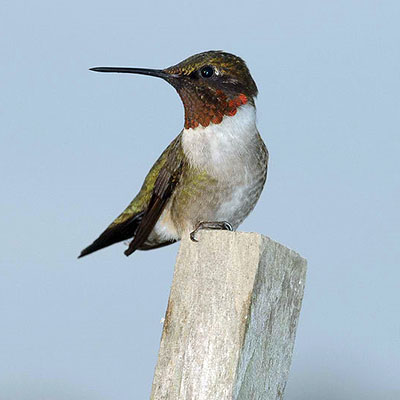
x: 207, y: 71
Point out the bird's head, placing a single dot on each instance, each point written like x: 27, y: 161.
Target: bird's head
x: 212, y: 85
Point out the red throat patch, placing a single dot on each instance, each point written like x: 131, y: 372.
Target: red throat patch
x: 200, y: 112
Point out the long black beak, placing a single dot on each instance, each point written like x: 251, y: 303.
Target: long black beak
x: 159, y: 73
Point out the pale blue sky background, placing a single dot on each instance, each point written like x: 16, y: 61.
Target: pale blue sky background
x: 76, y: 145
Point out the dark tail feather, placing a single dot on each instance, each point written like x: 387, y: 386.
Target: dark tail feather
x: 114, y: 234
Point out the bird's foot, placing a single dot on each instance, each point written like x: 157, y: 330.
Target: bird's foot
x: 217, y: 225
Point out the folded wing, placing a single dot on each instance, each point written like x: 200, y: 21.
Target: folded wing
x: 139, y: 218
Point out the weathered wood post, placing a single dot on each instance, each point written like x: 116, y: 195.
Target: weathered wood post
x: 232, y: 314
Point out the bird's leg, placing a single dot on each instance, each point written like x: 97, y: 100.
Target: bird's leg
x: 217, y: 225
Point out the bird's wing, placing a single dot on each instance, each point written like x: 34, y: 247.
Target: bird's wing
x: 163, y: 188
x: 139, y: 218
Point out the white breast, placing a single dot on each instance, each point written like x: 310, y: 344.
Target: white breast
x: 229, y: 152
x: 216, y: 147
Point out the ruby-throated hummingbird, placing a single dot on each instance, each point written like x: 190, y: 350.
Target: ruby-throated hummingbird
x: 213, y: 172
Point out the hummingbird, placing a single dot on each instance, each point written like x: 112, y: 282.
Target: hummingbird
x: 212, y: 174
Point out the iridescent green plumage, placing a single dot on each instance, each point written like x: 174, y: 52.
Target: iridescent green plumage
x: 127, y: 224
x: 140, y: 202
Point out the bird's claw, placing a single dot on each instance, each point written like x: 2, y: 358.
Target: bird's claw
x: 216, y: 225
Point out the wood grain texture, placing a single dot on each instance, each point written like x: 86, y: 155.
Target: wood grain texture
x: 231, y: 320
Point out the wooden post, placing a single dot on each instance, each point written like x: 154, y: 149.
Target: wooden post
x: 231, y: 320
